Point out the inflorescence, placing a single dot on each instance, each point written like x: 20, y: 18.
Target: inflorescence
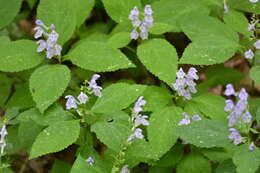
x: 3, y: 134
x: 49, y: 45
x: 185, y: 84
x: 141, y: 27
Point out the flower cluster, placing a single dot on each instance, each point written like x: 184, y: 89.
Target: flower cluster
x: 3, y: 134
x: 82, y: 98
x: 50, y: 44
x: 250, y: 54
x: 238, y: 112
x: 235, y: 136
x: 253, y: 1
x: 90, y: 161
x: 125, y: 169
x: 142, y: 26
x: 185, y: 84
x: 138, y: 119
x: 187, y: 120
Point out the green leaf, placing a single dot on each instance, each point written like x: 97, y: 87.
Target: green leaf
x: 216, y: 154
x: 160, y: 58
x: 245, y: 6
x: 21, y: 97
x: 55, y: 138
x: 245, y: 160
x: 117, y: 97
x: 61, y: 14
x: 8, y: 11
x: 208, y: 36
x: 120, y: 10
x: 118, y: 130
x: 205, y: 133
x: 210, y: 105
x: 194, y: 163
x: 60, y: 166
x: 47, y: 84
x: 170, y: 13
x: 255, y: 74
x: 5, y: 88
x: 156, y: 98
x: 226, y: 166
x: 119, y: 40
x: 80, y: 165
x: 99, y: 57
x: 19, y: 55
x: 82, y: 9
x: 161, y: 130
x: 53, y: 115
x: 237, y: 21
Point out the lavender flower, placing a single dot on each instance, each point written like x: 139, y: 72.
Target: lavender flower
x: 251, y: 26
x: 229, y: 90
x: 186, y: 120
x: 138, y: 105
x: 93, y: 87
x: 239, y: 110
x: 90, y: 161
x: 3, y: 134
x: 142, y: 26
x: 141, y: 120
x: 71, y: 102
x: 257, y: 44
x: 251, y: 146
x: 83, y: 98
x: 185, y: 84
x: 249, y: 54
x: 50, y: 45
x: 235, y: 136
x: 125, y: 169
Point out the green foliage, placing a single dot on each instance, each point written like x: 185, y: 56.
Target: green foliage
x: 117, y: 97
x: 160, y: 58
x: 55, y: 138
x: 82, y: 9
x: 194, y: 163
x: 255, y: 74
x: 60, y: 13
x: 19, y: 55
x: 204, y: 133
x: 119, y: 40
x: 5, y: 88
x: 8, y: 11
x: 99, y: 57
x: 44, y: 93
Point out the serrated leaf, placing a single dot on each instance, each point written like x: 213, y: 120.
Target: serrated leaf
x: 99, y: 57
x: 207, y: 43
x: 47, y: 84
x: 170, y: 13
x: 118, y: 130
x: 82, y: 9
x: 119, y: 10
x: 194, y: 163
x: 245, y: 160
x: 255, y: 74
x: 19, y: 55
x: 61, y: 14
x: 55, y: 138
x: 205, y: 133
x: 8, y: 11
x: 210, y: 105
x: 163, y: 122
x: 160, y: 58
x: 157, y: 98
x: 119, y: 40
x: 237, y: 21
x: 117, y: 97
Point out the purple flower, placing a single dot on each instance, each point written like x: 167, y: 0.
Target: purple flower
x: 229, y: 105
x: 249, y: 54
x: 253, y: 1
x: 39, y: 32
x: 251, y: 146
x: 141, y: 120
x: 186, y: 120
x: 184, y: 84
x: 235, y: 136
x: 93, y: 87
x: 225, y: 7
x: 257, y: 44
x: 196, y: 117
x: 83, y: 98
x: 134, y: 34
x: 42, y: 45
x: 232, y: 119
x: 90, y: 161
x: 138, y: 133
x: 251, y: 26
x: 229, y: 90
x: 138, y: 105
x: 3, y: 134
x: 247, y: 117
x: 243, y: 94
x: 71, y: 102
